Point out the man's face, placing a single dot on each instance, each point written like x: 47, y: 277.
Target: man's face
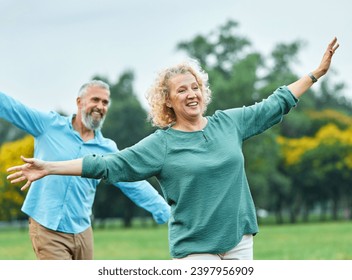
x: 94, y: 105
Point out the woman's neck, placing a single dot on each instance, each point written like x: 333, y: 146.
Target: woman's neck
x: 189, y: 126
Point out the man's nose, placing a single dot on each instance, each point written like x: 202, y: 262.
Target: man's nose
x: 100, y: 105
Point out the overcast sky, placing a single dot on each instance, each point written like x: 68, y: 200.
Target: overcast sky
x: 49, y: 48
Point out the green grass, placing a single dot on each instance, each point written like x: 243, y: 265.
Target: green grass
x: 131, y: 244
x: 315, y: 241
x: 15, y: 244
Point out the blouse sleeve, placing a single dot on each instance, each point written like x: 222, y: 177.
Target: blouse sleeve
x: 138, y: 162
x: 270, y: 111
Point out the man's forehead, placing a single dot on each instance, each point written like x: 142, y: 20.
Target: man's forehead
x: 96, y: 90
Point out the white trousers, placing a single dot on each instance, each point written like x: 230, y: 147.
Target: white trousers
x: 243, y: 251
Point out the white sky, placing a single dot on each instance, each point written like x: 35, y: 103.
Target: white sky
x: 49, y: 48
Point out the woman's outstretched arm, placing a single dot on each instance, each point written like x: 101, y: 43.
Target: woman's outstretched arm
x: 35, y: 169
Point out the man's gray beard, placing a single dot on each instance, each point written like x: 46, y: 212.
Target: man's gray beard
x: 90, y: 123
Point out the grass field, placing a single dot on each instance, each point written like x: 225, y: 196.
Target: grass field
x: 315, y: 241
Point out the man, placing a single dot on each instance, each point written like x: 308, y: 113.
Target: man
x: 59, y: 216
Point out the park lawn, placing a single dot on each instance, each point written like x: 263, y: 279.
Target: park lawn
x: 136, y: 243
x: 313, y: 241
x: 15, y: 244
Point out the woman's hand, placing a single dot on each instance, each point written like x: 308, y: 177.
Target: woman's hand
x: 32, y: 170
x: 326, y: 60
x: 303, y: 84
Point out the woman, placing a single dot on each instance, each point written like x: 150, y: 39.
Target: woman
x: 197, y: 160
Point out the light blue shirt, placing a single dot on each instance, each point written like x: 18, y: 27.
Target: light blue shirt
x: 64, y: 203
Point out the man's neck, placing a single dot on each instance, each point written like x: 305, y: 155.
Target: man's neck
x: 85, y: 133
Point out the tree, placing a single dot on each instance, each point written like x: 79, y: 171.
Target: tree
x: 9, y: 132
x: 126, y: 122
x: 11, y: 197
x: 324, y: 165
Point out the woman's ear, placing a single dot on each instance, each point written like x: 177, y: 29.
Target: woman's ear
x: 168, y: 103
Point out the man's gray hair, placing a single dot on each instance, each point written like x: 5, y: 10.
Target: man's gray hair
x: 97, y: 83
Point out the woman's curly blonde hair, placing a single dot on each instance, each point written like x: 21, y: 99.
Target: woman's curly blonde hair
x: 161, y: 115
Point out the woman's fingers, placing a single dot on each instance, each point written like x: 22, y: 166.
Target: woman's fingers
x: 333, y: 45
x: 27, y: 185
x: 14, y: 168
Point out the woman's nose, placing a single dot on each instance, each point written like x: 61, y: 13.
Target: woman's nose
x: 192, y: 94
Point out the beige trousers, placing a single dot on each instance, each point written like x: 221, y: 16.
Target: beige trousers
x: 53, y: 245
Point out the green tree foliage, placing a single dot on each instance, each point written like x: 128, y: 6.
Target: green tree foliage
x: 330, y: 96
x: 126, y: 122
x: 11, y: 197
x: 9, y: 132
x: 324, y: 165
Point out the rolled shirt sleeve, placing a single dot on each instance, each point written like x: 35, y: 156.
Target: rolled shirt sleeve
x: 94, y: 167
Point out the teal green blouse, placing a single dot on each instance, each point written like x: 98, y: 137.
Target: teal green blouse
x: 201, y: 173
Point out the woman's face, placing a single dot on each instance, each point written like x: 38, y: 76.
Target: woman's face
x: 186, y: 97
